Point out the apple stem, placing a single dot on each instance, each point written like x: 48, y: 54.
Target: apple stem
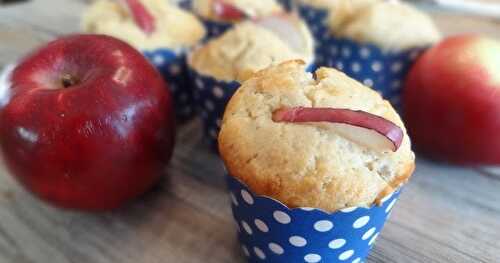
x: 68, y: 80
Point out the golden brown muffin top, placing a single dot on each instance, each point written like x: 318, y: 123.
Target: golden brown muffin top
x: 246, y: 49
x: 389, y: 25
x: 175, y: 28
x: 308, y: 165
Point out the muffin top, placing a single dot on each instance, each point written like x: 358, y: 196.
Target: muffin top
x: 308, y: 165
x: 175, y: 28
x: 251, y: 8
x: 389, y: 25
x: 247, y: 48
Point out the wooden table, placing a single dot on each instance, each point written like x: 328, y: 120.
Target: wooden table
x: 447, y: 214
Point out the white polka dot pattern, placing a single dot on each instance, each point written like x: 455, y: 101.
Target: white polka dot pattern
x: 346, y: 255
x: 312, y: 258
x: 261, y: 225
x: 172, y: 66
x: 246, y: 227
x: 323, y: 226
x: 247, y: 197
x: 276, y: 249
x: 276, y: 233
x: 297, y: 241
x: 211, y: 97
x: 337, y: 243
x: 260, y: 254
x: 361, y: 222
x: 245, y: 250
x: 317, y: 20
x: 282, y: 217
x: 379, y: 69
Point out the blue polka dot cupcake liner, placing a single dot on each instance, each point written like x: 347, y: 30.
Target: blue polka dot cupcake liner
x: 384, y: 71
x: 211, y: 96
x: 271, y: 232
x: 317, y: 21
x: 172, y: 66
x: 215, y: 28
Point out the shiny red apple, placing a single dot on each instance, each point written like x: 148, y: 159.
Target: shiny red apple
x: 86, y: 123
x: 452, y: 101
x: 361, y: 127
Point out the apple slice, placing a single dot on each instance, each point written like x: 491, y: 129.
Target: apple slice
x: 227, y: 11
x: 287, y: 28
x: 358, y: 126
x: 142, y: 17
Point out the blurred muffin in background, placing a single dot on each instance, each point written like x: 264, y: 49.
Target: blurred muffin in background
x: 378, y: 43
x: 162, y: 31
x: 320, y: 14
x: 222, y: 63
x: 220, y: 15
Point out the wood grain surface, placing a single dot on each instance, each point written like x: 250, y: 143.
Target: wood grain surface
x: 446, y: 214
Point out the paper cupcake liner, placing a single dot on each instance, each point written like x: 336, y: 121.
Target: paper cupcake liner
x: 215, y: 28
x: 271, y: 232
x: 211, y: 96
x: 381, y: 70
x: 172, y: 66
x: 316, y: 21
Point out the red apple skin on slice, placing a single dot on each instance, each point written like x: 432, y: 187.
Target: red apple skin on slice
x: 226, y: 11
x: 97, y: 143
x: 142, y: 17
x: 361, y: 127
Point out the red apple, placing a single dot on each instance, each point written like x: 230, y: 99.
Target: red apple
x: 361, y: 127
x: 142, y: 17
x: 86, y: 123
x: 227, y: 11
x: 452, y: 101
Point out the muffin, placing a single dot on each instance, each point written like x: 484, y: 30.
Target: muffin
x: 175, y: 32
x: 378, y: 44
x: 221, y: 64
x: 306, y: 191
x: 320, y: 13
x: 220, y: 15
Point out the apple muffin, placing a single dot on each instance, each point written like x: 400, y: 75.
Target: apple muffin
x: 222, y: 63
x: 163, y: 32
x: 310, y: 164
x: 378, y: 44
x: 220, y: 15
x: 174, y: 27
x: 314, y: 162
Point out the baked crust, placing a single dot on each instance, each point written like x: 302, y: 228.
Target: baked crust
x: 390, y: 26
x: 308, y: 165
x: 246, y: 49
x: 175, y: 28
